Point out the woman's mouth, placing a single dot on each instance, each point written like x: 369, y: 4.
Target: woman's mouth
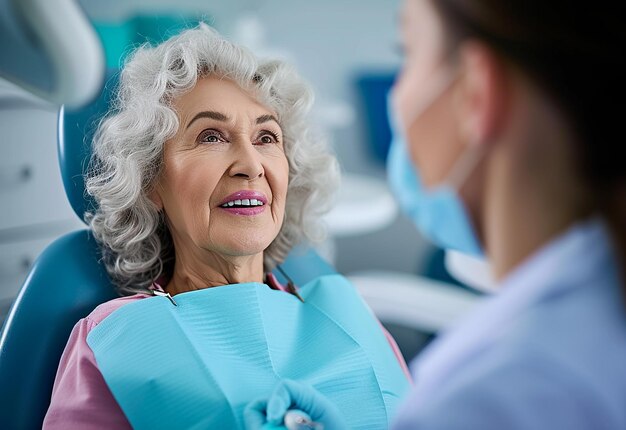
x: 244, y: 202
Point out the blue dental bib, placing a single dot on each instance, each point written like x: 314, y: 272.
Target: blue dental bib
x: 198, y: 364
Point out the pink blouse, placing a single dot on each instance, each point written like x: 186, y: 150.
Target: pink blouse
x: 81, y: 398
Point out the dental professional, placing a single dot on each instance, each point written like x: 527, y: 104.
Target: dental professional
x: 508, y: 120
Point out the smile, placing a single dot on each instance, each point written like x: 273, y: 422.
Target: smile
x: 243, y: 203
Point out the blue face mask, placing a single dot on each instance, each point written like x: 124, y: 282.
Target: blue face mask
x: 438, y: 213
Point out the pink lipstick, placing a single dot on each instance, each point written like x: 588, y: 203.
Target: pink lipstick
x: 244, y: 202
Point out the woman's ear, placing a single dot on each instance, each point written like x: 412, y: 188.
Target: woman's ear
x: 480, y: 103
x: 155, y: 197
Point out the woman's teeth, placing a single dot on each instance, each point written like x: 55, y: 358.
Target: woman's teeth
x: 243, y: 203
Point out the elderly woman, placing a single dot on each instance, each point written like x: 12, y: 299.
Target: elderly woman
x: 205, y: 177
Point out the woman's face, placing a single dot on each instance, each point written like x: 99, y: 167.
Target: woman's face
x: 224, y: 181
x: 432, y: 137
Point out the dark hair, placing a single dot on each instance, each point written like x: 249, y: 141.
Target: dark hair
x: 575, y: 52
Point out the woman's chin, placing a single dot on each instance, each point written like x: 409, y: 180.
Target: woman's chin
x: 244, y: 248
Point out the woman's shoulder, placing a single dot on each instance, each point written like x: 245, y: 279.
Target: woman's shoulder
x: 105, y: 309
x: 80, y: 395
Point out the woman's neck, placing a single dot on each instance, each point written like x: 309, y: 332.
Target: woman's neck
x: 534, y: 190
x: 516, y: 231
x: 213, y: 270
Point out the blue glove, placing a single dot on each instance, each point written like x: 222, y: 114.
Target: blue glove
x: 269, y: 413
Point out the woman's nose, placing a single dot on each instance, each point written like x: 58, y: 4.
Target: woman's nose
x: 246, y: 162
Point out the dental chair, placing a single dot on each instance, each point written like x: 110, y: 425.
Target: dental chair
x: 68, y: 281
x: 50, y: 49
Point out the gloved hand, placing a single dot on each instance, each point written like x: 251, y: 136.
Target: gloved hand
x: 269, y: 413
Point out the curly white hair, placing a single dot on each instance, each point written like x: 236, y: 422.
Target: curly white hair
x: 128, y: 152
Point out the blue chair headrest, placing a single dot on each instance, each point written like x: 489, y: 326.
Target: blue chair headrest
x: 76, y: 130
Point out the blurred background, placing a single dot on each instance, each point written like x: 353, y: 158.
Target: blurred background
x: 347, y: 51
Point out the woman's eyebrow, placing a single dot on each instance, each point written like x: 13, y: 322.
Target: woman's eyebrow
x: 266, y: 118
x: 221, y: 117
x: 209, y: 114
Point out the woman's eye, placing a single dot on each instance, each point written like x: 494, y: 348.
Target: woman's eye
x: 211, y: 136
x: 268, y: 138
